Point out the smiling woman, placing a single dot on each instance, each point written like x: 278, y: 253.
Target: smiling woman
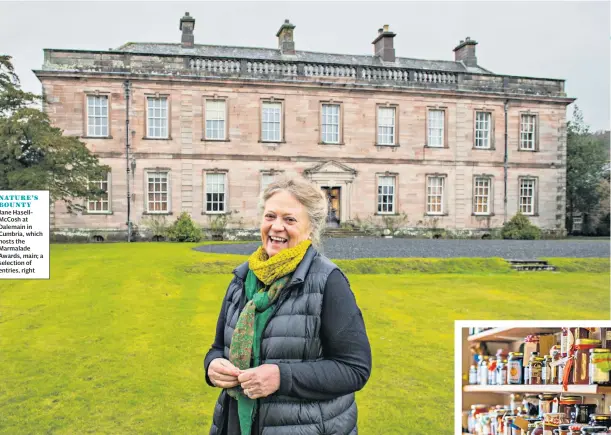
x: 291, y: 347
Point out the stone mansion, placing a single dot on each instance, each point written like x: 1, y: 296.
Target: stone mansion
x: 447, y: 142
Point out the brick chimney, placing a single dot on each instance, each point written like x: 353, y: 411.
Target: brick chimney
x: 382, y: 45
x: 187, y: 23
x: 286, y: 45
x: 465, y: 52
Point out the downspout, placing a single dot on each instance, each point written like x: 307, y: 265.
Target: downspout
x: 505, y: 166
x: 126, y: 85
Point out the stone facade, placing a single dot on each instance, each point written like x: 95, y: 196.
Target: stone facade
x: 352, y: 167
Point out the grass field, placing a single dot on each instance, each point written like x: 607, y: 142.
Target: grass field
x: 114, y: 341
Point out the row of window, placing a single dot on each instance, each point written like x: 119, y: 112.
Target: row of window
x: 272, y: 116
x: 157, y: 195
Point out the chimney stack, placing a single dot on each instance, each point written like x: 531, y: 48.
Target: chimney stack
x: 383, y: 45
x: 465, y: 52
x: 286, y: 45
x: 187, y: 23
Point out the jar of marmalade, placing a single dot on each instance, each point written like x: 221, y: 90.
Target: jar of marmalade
x: 581, y: 372
x: 514, y: 368
x: 599, y: 366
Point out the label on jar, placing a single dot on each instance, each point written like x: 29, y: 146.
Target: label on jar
x: 535, y: 375
x: 514, y: 372
x: 544, y: 374
x: 563, y: 345
x: 472, y: 377
x: 598, y: 376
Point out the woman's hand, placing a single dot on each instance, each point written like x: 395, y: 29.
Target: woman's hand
x: 223, y: 374
x: 260, y: 381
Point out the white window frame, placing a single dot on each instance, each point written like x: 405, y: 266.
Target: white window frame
x: 525, y: 184
x: 482, y: 188
x: 160, y: 104
x: 483, y: 130
x: 387, y: 125
x: 528, y: 143
x: 387, y: 187
x: 101, y: 201
x: 97, y: 115
x: 270, y: 179
x: 435, y: 190
x: 161, y: 174
x: 330, y: 123
x: 215, y: 112
x: 269, y: 125
x: 211, y: 188
x: 436, y: 125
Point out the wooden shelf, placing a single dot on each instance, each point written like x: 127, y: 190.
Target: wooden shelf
x: 509, y: 334
x: 503, y: 389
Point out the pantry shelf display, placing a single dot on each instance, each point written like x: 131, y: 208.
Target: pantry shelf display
x: 533, y: 381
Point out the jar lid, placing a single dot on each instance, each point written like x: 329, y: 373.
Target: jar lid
x: 587, y: 342
x: 596, y: 417
x: 515, y: 355
x: 598, y: 350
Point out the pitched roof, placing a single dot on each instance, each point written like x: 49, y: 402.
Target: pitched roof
x: 270, y: 54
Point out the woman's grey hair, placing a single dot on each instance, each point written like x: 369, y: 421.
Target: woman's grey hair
x: 309, y: 195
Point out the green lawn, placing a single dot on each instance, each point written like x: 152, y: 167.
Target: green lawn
x: 114, y: 341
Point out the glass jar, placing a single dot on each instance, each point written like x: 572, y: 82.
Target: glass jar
x: 583, y: 411
x: 536, y: 363
x: 567, y: 406
x: 545, y: 404
x: 593, y: 429
x: 538, y: 430
x: 600, y: 420
x: 564, y: 429
x: 599, y: 366
x: 546, y: 371
x: 514, y: 369
x: 581, y: 360
x: 555, y: 356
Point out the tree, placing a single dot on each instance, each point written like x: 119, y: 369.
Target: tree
x: 34, y: 155
x: 586, y: 159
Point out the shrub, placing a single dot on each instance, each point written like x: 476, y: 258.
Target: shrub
x: 602, y: 229
x: 520, y: 228
x: 184, y: 230
x: 218, y: 223
x: 157, y: 225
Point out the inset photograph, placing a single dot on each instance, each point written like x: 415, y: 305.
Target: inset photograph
x: 533, y: 377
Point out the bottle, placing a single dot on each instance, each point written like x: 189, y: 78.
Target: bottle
x: 536, y: 363
x: 483, y: 371
x: 473, y: 375
x: 492, y: 371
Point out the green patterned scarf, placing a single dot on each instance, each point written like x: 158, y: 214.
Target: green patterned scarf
x: 246, y: 339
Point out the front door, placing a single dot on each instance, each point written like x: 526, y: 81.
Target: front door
x: 333, y: 198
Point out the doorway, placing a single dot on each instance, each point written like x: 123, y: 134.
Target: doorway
x: 333, y: 200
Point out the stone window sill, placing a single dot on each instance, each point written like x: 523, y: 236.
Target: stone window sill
x: 527, y: 151
x: 387, y: 145
x: 153, y: 213
x: 93, y: 213
x: 275, y: 143
x: 445, y: 147
x: 484, y: 149
x: 483, y: 214
x: 331, y: 143
x: 96, y: 137
x: 437, y: 214
x: 385, y: 214
x: 214, y: 213
x: 157, y: 138
x: 215, y: 140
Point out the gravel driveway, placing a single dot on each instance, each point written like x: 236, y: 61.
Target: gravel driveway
x: 372, y: 247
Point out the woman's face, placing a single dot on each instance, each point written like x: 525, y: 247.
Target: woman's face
x: 285, y: 223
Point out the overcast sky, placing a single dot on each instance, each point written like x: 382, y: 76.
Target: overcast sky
x: 566, y: 40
